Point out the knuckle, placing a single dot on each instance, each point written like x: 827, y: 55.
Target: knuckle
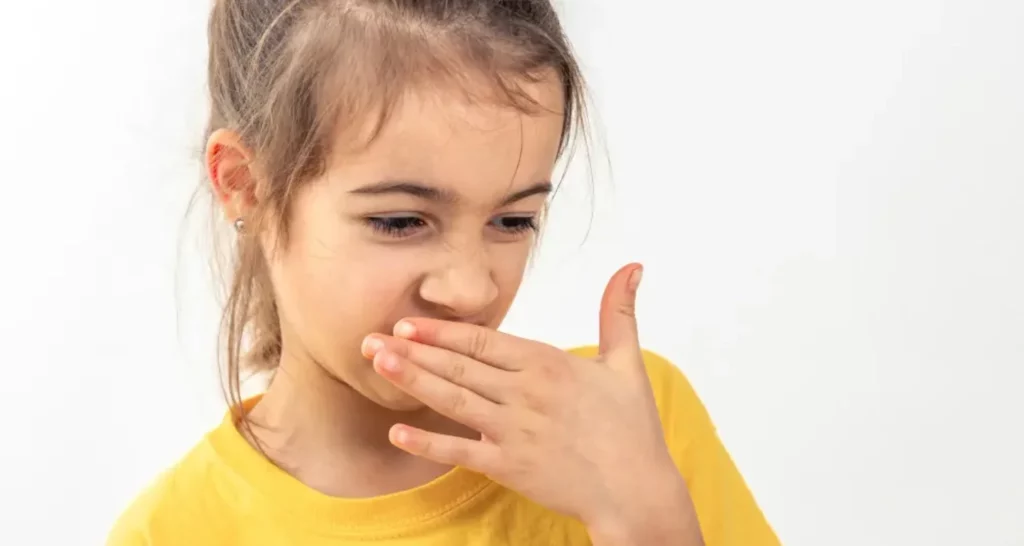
x: 457, y: 401
x: 537, y: 399
x: 455, y: 371
x: 478, y: 344
x: 554, y: 372
x: 529, y: 435
x: 627, y: 308
x: 520, y: 466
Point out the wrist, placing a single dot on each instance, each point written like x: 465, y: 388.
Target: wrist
x: 658, y: 515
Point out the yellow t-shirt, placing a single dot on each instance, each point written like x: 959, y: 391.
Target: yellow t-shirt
x: 225, y: 493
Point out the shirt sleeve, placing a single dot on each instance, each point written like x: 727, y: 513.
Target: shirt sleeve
x: 726, y: 509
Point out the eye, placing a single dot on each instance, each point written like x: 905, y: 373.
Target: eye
x: 515, y: 225
x: 396, y: 226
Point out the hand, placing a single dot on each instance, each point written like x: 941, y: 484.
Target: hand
x: 580, y: 436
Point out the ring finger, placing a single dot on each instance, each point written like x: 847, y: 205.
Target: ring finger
x: 453, y: 401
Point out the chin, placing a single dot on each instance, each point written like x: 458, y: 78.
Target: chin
x: 390, y: 397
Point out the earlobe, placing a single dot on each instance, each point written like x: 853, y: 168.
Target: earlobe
x: 229, y: 169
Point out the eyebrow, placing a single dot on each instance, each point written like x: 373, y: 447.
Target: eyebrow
x: 430, y: 193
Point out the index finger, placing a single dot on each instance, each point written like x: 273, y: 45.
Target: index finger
x: 484, y: 344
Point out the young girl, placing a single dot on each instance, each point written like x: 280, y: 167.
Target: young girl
x: 386, y: 165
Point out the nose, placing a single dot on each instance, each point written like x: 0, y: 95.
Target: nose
x: 463, y: 286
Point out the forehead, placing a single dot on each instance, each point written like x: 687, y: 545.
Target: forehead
x: 443, y: 137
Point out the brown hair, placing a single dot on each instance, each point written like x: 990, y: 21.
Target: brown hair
x: 275, y: 71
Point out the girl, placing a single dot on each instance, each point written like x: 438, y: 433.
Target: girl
x: 386, y: 164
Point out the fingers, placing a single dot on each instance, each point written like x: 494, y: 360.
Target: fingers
x: 483, y: 379
x: 453, y: 401
x: 479, y: 343
x: 618, y: 312
x: 475, y: 455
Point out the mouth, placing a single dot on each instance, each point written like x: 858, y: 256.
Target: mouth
x: 483, y: 323
x: 480, y: 323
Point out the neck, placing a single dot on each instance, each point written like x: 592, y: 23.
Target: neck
x: 333, y: 439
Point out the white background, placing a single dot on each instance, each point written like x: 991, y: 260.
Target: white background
x: 828, y: 196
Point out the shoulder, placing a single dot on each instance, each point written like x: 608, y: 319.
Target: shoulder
x: 168, y: 503
x: 132, y: 526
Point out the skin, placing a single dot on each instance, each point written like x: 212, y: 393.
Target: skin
x: 432, y: 223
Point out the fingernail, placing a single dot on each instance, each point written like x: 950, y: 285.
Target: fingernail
x: 387, y: 362
x: 405, y: 329
x: 635, y: 278
x: 372, y: 346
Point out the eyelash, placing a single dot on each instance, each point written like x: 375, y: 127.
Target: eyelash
x: 400, y: 227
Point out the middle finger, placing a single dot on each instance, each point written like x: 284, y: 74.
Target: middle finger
x: 483, y: 379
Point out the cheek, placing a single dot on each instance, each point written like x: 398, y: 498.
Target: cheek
x: 508, y: 265
x: 348, y: 290
x: 328, y: 283
x: 381, y: 280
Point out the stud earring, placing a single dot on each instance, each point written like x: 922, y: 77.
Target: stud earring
x: 240, y: 224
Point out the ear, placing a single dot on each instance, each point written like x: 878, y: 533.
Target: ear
x: 229, y: 166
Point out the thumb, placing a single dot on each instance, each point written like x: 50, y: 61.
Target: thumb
x: 618, y: 312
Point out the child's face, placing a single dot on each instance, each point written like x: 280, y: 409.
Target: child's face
x: 433, y: 219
